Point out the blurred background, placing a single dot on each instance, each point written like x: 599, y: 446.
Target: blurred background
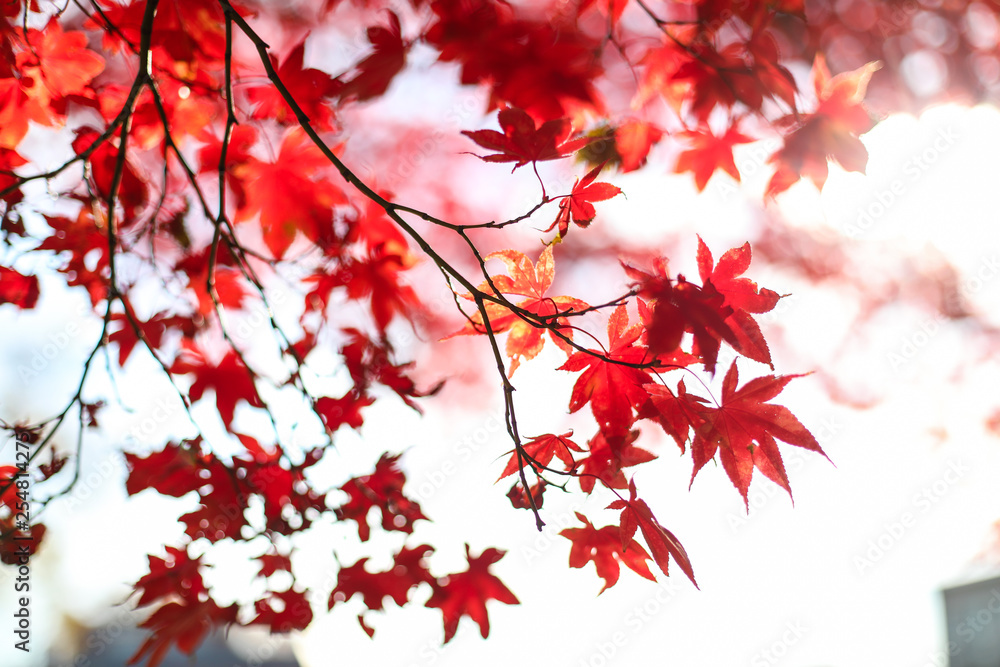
x: 889, y: 556
x: 894, y: 306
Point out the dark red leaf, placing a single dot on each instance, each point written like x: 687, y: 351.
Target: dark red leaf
x: 465, y: 593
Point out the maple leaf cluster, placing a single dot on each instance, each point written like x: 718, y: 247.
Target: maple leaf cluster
x: 200, y: 174
x: 680, y: 324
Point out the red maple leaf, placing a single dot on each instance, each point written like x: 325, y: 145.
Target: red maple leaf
x: 669, y: 411
x: 18, y: 289
x: 59, y: 63
x: 370, y: 226
x: 763, y: 49
x: 612, y: 8
x: 466, y: 593
x: 606, y: 458
x: 185, y: 623
x: 536, y: 65
x: 660, y: 64
x: 132, y: 189
x: 577, y: 206
x: 378, y: 69
x: 373, y: 587
x: 382, y: 489
x: 55, y: 464
x: 9, y: 161
x: 662, y: 543
x: 230, y: 286
x: 541, y: 449
x: 188, y: 37
x: 521, y: 500
x: 369, y: 362
x: 189, y: 613
x: 284, y: 611
x: 123, y: 333
x: 409, y: 570
x: 521, y: 142
x: 612, y: 389
x: 289, y: 196
x: 230, y: 379
x: 680, y: 306
x: 718, y: 78
x: 281, y: 490
x: 830, y: 132
x: 702, y: 312
x: 87, y: 264
x: 241, y: 140
x: 337, y: 412
x: 310, y: 88
x: 633, y: 141
x: 172, y: 471
x: 607, y: 549
x: 186, y: 114
x: 742, y: 295
x: 179, y: 469
x: 17, y: 540
x: 17, y: 107
x: 743, y: 430
x: 176, y: 572
x: 377, y: 277
x: 9, y: 495
x: 271, y: 563
x: 708, y: 153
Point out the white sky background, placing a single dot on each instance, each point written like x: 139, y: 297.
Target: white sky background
x: 785, y: 580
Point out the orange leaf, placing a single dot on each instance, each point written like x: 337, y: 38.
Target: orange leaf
x: 708, y: 153
x: 59, y: 62
x: 633, y: 140
x: 524, y: 341
x: 288, y: 196
x: 831, y: 132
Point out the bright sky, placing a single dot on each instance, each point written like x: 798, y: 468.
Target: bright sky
x: 849, y: 577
